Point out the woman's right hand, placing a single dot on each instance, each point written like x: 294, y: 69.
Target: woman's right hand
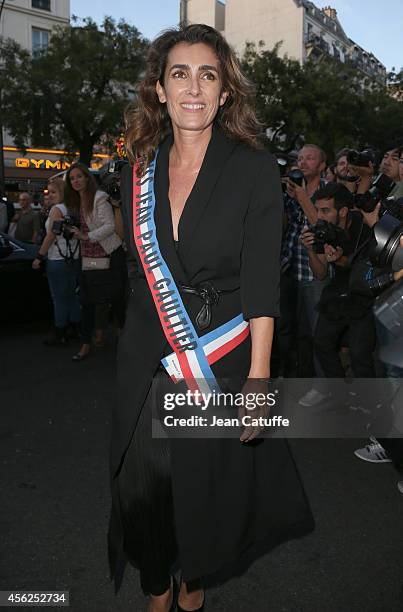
x: 78, y: 234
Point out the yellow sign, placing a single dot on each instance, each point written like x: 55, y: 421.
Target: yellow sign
x: 41, y: 164
x: 47, y: 164
x: 20, y: 162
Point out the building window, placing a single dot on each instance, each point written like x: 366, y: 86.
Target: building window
x: 40, y: 40
x: 44, y: 5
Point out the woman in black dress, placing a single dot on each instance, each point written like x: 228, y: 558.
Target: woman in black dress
x: 203, y: 212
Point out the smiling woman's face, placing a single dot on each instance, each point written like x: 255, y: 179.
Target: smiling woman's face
x: 192, y: 86
x: 54, y: 194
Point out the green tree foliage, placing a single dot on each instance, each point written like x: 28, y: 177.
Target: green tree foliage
x: 72, y: 95
x: 326, y: 102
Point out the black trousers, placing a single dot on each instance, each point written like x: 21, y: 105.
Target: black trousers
x: 146, y: 505
x: 394, y: 448
x: 115, y: 294
x: 361, y: 339
x: 295, y: 326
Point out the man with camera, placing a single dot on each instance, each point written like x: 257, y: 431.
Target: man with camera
x: 386, y: 183
x: 397, y: 191
x: 297, y: 276
x: 342, y: 171
x: 329, y: 243
x: 390, y: 162
x: 346, y: 304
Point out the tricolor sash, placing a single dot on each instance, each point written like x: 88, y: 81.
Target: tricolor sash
x: 192, y: 356
x: 216, y: 344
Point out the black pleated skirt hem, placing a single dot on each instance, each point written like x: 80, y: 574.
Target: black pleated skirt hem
x: 145, y: 521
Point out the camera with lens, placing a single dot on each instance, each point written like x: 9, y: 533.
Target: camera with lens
x: 296, y: 176
x: 360, y: 158
x: 110, y: 178
x: 392, y: 206
x: 385, y: 248
x: 63, y: 227
x: 328, y: 233
x: 380, y: 188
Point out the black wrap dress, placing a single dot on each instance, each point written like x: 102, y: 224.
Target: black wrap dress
x: 224, y: 500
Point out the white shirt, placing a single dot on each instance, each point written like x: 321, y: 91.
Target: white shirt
x: 59, y: 249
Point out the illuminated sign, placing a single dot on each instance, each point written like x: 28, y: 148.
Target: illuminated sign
x: 47, y: 164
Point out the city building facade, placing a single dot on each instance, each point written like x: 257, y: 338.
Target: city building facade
x: 30, y: 22
x: 304, y: 30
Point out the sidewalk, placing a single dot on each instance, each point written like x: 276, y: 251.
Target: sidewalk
x: 54, y: 432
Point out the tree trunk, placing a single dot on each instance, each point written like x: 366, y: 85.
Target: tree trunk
x: 85, y: 150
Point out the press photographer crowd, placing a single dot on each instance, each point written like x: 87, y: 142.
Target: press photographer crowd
x: 342, y: 270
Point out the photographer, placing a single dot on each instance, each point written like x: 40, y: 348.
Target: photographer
x: 385, y: 184
x: 342, y: 171
x: 297, y: 279
x: 340, y: 235
x: 397, y: 191
x: 333, y: 204
x: 62, y: 266
x: 390, y: 162
x: 347, y: 306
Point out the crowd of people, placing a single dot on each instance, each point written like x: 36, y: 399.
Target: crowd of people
x: 326, y: 328
x: 168, y: 497
x: 79, y: 234
x: 329, y: 284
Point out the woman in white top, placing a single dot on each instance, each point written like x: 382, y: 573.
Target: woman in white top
x: 104, y: 272
x: 62, y: 266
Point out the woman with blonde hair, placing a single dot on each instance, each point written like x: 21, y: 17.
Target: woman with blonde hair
x: 62, y: 265
x: 203, y: 211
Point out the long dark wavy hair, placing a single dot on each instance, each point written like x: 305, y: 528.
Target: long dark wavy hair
x: 147, y: 120
x: 72, y: 197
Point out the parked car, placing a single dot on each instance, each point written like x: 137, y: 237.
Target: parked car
x: 25, y: 293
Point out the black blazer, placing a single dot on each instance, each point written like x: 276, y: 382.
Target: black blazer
x: 229, y: 234
x: 227, y: 496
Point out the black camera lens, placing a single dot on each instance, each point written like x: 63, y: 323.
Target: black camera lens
x: 365, y: 202
x: 381, y: 186
x: 296, y: 176
x: 386, y: 250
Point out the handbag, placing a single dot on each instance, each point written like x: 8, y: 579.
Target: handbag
x: 95, y: 263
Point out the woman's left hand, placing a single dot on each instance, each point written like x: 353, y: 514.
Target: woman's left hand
x: 255, y: 405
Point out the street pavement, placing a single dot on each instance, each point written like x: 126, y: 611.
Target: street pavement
x: 54, y: 437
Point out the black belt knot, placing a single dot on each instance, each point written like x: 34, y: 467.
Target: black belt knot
x: 210, y: 296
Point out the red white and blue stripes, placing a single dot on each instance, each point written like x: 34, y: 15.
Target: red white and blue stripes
x: 192, y: 355
x: 216, y: 344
